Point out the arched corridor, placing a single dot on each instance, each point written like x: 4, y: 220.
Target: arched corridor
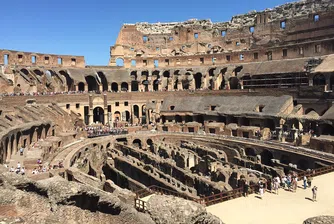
x: 98, y: 114
x: 114, y: 87
x: 92, y: 83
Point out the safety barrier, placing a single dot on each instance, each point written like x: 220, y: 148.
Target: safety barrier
x: 216, y: 198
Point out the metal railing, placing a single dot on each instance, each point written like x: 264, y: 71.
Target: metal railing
x: 141, y: 205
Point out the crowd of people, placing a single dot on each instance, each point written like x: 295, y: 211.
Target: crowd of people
x: 104, y: 130
x: 288, y: 182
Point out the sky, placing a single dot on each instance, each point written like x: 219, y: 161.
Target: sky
x: 89, y: 27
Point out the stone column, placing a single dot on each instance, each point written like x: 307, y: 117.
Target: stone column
x: 179, y: 85
x: 129, y: 87
x: 90, y: 116
x: 109, y: 87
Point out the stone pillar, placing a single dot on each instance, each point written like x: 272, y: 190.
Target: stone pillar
x: 90, y: 116
x: 76, y: 88
x: 14, y: 146
x: 9, y: 149
x: 109, y: 87
x: 129, y: 87
x: 179, y: 85
x: 101, y: 88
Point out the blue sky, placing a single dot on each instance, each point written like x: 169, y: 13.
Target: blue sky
x: 89, y: 28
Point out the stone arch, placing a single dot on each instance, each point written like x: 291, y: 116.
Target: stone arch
x: 92, y: 83
x: 250, y: 152
x: 117, y: 116
x: 136, y: 111
x: 198, y: 80
x: 127, y: 116
x: 98, y: 115
x: 234, y: 83
x: 69, y: 80
x: 114, y: 87
x: 119, y: 62
x: 166, y: 74
x: 124, y: 86
x: 137, y: 143
x: 104, y: 81
x: 81, y: 86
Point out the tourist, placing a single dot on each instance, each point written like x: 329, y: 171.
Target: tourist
x: 305, y: 182
x: 245, y: 189
x: 261, y: 189
x: 21, y: 151
x: 22, y: 171
x: 35, y: 171
x: 12, y: 169
x: 314, y: 193
x: 277, y: 182
x: 18, y: 165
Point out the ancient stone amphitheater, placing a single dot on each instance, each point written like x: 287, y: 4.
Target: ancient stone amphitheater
x: 184, y: 114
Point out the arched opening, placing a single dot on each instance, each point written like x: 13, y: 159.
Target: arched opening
x: 104, y: 81
x: 127, y: 116
x: 38, y: 72
x: 175, y: 84
x: 124, y: 86
x: 92, y: 83
x: 156, y: 85
x: 98, y: 115
x: 69, y: 80
x: 150, y: 145
x: 319, y: 80
x: 137, y: 143
x: 117, y: 116
x: 211, y: 84
x: 198, y: 80
x: 166, y: 74
x: 143, y: 112
x: 134, y: 86
x: 136, y: 111
x: 266, y: 157
x: 163, y: 119
x: 114, y: 87
x: 250, y: 152
x: 145, y: 83
x: 178, y: 119
x: 81, y: 86
x: 234, y: 83
x: 120, y: 62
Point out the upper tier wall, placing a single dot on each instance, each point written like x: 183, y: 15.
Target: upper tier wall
x: 290, y: 26
x: 9, y: 57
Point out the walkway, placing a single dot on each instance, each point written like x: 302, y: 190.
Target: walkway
x: 287, y: 207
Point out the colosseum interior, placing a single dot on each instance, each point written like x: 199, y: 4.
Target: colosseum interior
x: 193, y: 109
